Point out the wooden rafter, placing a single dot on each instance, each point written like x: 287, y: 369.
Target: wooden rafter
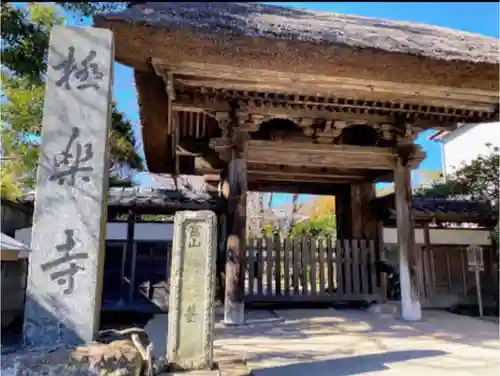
x: 300, y: 107
x: 258, y: 80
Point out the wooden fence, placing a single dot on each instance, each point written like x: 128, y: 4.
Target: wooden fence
x: 306, y: 269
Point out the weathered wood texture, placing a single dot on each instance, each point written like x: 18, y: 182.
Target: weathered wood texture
x: 445, y: 275
x: 236, y: 229
x: 151, y: 94
x: 329, y: 156
x: 310, y: 269
x: 408, y: 258
x: 364, y: 222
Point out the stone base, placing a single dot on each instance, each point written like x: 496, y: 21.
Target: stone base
x: 234, y: 313
x: 411, y: 310
x: 117, y: 358
x: 388, y: 308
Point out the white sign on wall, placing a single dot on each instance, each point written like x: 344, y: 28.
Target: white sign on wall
x: 475, y: 258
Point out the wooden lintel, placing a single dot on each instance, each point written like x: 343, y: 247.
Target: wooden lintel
x: 316, y: 155
x: 296, y: 187
x: 304, y: 177
x: 221, y: 76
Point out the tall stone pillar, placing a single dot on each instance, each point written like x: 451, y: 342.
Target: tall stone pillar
x: 63, y: 297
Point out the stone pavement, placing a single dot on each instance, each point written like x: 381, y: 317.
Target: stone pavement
x: 323, y: 342
x: 348, y: 342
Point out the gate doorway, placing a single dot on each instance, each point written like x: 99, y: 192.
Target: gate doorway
x: 308, y: 269
x: 136, y: 280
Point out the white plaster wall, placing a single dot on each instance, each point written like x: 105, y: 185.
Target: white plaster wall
x: 118, y: 231
x: 440, y: 236
x: 465, y: 145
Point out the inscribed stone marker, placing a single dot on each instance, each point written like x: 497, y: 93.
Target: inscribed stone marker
x: 63, y: 297
x: 192, y: 290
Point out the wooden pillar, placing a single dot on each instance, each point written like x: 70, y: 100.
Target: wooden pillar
x: 236, y: 226
x: 364, y: 223
x: 410, y: 302
x: 356, y: 211
x: 343, y: 212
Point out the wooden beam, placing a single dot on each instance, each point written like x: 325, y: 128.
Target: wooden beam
x: 303, y: 177
x: 410, y: 300
x: 294, y: 187
x: 328, y: 156
x: 212, y: 75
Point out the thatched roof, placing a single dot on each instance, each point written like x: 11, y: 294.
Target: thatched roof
x: 258, y: 20
x: 241, y: 44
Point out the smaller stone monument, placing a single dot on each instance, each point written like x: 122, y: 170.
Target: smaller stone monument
x: 192, y: 291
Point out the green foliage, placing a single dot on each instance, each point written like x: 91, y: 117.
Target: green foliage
x: 115, y: 181
x: 321, y: 226
x: 25, y: 37
x: 478, y: 179
x: 88, y: 9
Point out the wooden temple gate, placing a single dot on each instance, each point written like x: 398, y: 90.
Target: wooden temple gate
x: 238, y: 93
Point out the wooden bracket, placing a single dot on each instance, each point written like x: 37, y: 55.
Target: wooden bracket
x: 331, y: 131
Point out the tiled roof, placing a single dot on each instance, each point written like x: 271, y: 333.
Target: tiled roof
x: 443, y: 210
x: 152, y: 198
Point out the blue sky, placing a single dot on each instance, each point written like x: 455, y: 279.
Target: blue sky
x: 476, y: 17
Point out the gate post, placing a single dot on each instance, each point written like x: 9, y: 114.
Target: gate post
x: 235, y: 190
x: 410, y: 301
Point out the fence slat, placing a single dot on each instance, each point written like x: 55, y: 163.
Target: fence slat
x: 355, y: 266
x: 373, y: 274
x: 322, y: 265
x: 269, y: 266
x: 347, y: 265
x: 339, y: 266
x: 278, y: 246
x: 286, y: 266
x: 312, y: 264
x: 304, y: 269
x: 251, y: 265
x: 365, y: 267
x: 260, y: 265
x: 296, y: 264
x: 332, y: 283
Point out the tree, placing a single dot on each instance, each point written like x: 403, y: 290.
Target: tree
x: 25, y: 38
x: 478, y: 179
x: 293, y: 214
x: 321, y: 226
x: 322, y: 206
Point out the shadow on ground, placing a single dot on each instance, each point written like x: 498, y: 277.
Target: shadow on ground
x: 307, y: 324
x: 347, y: 366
